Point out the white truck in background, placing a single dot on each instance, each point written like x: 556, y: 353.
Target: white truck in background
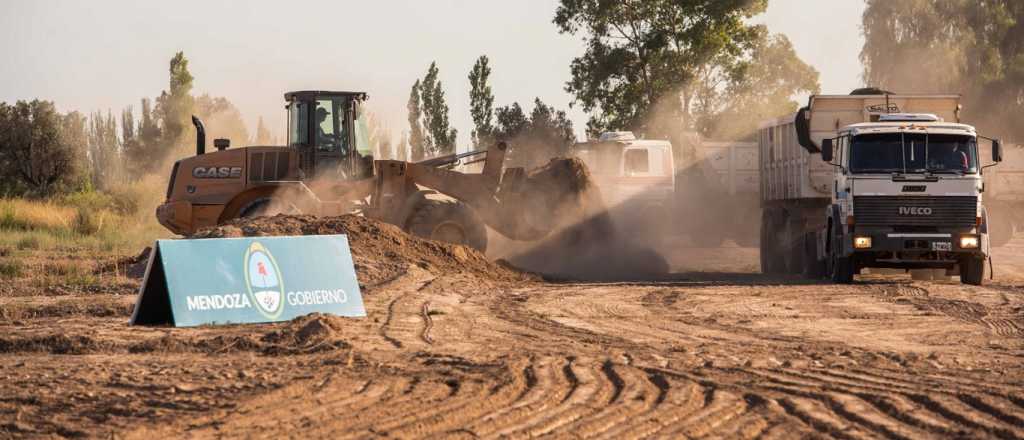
x: 873, y: 180
x: 636, y: 176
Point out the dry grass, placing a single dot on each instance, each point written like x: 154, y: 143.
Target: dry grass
x: 122, y: 221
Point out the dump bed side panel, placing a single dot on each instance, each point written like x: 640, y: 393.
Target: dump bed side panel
x: 734, y: 165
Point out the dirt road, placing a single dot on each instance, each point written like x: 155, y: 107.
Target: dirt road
x: 714, y: 351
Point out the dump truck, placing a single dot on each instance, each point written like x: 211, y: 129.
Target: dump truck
x: 635, y: 176
x: 722, y: 181
x: 326, y: 168
x: 873, y: 180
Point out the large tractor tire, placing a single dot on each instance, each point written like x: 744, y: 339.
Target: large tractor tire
x: 448, y: 221
x: 268, y: 206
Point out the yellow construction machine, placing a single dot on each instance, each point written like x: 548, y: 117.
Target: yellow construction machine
x: 326, y: 168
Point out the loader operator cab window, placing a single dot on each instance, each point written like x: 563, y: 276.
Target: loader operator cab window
x: 298, y: 121
x: 330, y: 127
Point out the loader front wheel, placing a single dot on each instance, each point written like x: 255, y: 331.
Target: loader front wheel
x: 450, y: 222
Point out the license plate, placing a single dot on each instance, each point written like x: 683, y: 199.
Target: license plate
x: 942, y: 246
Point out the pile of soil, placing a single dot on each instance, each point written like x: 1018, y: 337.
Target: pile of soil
x: 308, y: 333
x: 381, y: 251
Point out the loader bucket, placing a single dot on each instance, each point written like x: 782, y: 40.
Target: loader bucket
x: 557, y: 195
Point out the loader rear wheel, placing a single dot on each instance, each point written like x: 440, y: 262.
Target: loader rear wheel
x: 267, y: 206
x: 450, y: 222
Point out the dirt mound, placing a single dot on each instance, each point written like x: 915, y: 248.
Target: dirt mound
x: 381, y: 251
x: 130, y: 266
x: 309, y: 333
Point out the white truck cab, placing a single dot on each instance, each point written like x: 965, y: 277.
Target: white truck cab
x: 630, y: 172
x: 873, y: 179
x: 907, y: 193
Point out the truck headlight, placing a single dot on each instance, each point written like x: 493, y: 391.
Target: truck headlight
x: 969, y: 242
x: 862, y: 242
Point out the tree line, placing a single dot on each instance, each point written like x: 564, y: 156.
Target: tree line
x: 972, y: 48
x: 661, y: 68
x: 44, y: 152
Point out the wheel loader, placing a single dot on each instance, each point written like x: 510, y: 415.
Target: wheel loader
x: 326, y: 168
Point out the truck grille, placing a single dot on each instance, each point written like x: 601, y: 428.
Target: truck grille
x: 915, y: 211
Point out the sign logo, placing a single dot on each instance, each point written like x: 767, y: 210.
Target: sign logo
x: 217, y: 172
x: 263, y: 280
x: 913, y: 210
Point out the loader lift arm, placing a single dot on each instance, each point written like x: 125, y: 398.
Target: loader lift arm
x: 495, y: 196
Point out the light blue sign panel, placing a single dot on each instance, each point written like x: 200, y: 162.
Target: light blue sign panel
x: 247, y: 280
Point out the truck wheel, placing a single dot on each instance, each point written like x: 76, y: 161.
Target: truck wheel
x: 770, y: 262
x: 841, y: 270
x: 972, y: 271
x: 813, y: 267
x: 448, y: 221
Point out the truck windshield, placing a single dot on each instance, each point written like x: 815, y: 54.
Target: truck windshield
x: 913, y: 153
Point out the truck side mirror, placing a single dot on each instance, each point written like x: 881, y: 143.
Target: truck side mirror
x: 997, y: 151
x: 826, y: 150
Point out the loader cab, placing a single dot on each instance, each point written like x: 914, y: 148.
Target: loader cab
x: 329, y: 131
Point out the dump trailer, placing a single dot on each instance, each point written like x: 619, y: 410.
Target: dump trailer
x: 723, y: 183
x: 326, y: 169
x: 873, y: 180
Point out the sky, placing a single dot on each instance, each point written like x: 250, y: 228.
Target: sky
x: 108, y: 54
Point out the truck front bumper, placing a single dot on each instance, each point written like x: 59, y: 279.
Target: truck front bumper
x: 916, y: 250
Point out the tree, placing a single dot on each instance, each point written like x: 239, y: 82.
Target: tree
x: 435, y: 115
x: 42, y: 150
x: 481, y: 103
x: 752, y: 89
x: 951, y: 46
x: 263, y: 136
x: 221, y: 119
x: 401, y: 150
x: 643, y: 56
x: 174, y: 105
x: 533, y: 140
x: 418, y: 141
x: 104, y: 150
x: 140, y: 144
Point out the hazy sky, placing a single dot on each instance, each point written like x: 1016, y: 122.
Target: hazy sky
x: 99, y: 54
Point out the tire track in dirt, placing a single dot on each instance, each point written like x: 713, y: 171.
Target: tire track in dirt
x: 396, y: 327
x: 428, y: 323
x: 919, y: 296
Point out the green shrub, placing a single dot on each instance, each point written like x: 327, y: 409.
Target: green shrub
x: 29, y: 242
x: 10, y: 269
x: 88, y: 221
x: 9, y: 218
